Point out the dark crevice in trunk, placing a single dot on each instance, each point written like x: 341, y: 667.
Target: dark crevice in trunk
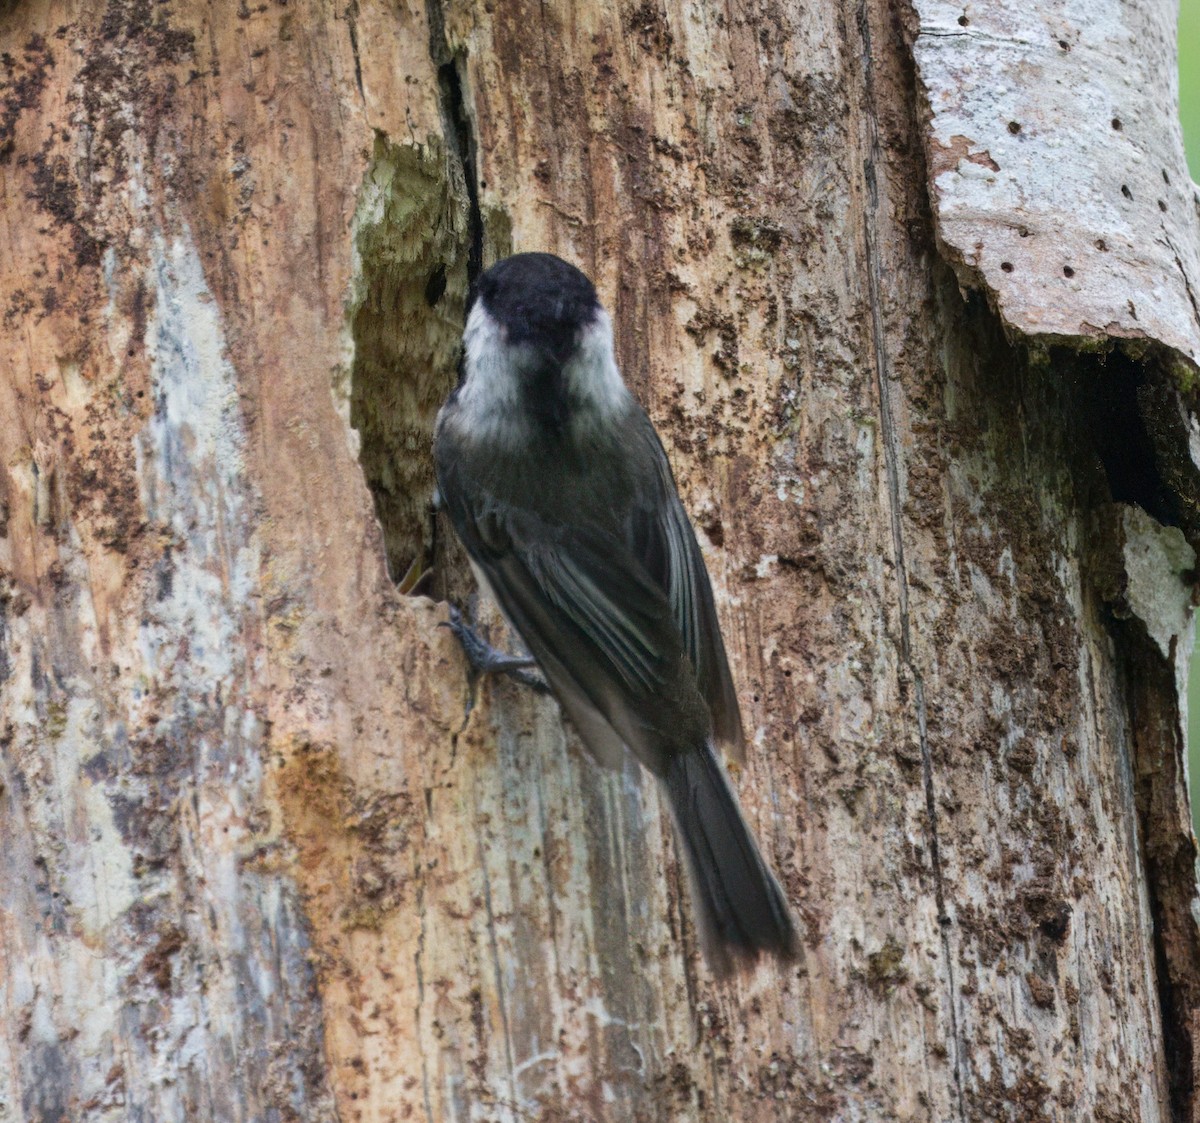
x: 1108, y: 390
x: 1168, y: 852
x: 450, y: 577
x: 458, y: 128
x: 352, y: 23
x: 419, y: 237
x: 419, y: 241
x: 1121, y: 409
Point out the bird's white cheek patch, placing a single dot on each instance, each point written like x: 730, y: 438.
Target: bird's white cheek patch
x: 593, y: 380
x: 488, y: 406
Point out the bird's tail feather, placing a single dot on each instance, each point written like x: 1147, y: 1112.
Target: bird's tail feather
x: 739, y: 907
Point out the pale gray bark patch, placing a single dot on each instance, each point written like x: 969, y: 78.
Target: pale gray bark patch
x: 1144, y: 571
x: 1150, y: 552
x: 1056, y: 165
x: 161, y: 972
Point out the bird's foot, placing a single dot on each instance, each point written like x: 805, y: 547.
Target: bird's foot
x: 488, y: 660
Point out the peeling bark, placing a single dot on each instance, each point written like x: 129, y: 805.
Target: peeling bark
x: 271, y: 856
x: 1056, y: 165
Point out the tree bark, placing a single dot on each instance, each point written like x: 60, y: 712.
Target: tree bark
x: 909, y: 292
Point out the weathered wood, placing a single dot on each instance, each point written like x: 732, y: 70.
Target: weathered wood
x: 1056, y: 165
x: 264, y: 858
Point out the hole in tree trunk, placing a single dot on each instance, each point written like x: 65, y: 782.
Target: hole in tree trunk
x: 411, y: 238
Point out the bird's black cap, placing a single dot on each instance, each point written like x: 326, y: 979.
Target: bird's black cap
x: 539, y: 299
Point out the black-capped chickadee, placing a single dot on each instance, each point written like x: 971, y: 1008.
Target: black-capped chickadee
x: 561, y: 492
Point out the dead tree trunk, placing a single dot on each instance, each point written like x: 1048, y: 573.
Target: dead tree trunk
x: 911, y: 294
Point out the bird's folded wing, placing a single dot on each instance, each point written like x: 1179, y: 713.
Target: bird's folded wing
x: 666, y: 545
x: 599, y: 626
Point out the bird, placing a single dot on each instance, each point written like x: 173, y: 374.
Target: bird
x: 559, y: 488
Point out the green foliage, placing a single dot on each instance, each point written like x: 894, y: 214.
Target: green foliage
x: 1189, y: 81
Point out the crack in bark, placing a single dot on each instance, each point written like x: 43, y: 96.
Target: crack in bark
x: 501, y: 1000
x: 1187, y: 284
x: 891, y: 453
x: 1167, y: 852
x: 457, y: 128
x: 352, y: 23
x: 418, y: 955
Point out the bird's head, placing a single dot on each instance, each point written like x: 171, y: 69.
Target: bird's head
x: 538, y: 348
x: 537, y: 301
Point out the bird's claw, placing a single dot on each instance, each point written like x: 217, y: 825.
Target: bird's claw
x: 488, y: 660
